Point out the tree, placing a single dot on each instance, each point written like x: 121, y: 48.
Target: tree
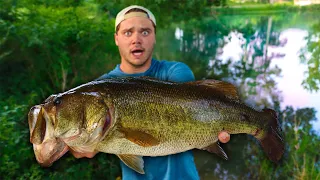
x: 312, y: 80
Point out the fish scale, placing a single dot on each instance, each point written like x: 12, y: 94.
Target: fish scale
x: 165, y: 117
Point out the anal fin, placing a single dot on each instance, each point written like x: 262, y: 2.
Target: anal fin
x: 217, y: 149
x: 133, y: 161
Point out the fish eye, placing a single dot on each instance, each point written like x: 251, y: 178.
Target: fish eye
x: 57, y: 101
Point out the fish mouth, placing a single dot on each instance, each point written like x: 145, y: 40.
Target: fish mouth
x: 37, y: 124
x: 49, y: 151
x: 47, y: 148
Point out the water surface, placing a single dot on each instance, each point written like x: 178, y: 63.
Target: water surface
x: 261, y: 55
x: 246, y: 50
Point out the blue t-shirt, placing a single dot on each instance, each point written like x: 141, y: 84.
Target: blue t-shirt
x: 177, y: 166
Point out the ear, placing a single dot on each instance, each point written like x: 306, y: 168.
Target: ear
x: 116, y: 38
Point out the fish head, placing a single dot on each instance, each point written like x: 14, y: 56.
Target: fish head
x: 66, y: 120
x: 84, y: 115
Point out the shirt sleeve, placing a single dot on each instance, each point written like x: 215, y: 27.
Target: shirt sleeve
x: 180, y: 72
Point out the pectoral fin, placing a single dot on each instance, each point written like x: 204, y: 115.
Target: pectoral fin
x: 139, y: 137
x: 216, y: 148
x: 133, y: 161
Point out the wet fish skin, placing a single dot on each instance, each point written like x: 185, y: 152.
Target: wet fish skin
x: 134, y: 117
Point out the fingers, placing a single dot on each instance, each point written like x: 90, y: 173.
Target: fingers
x: 224, y: 137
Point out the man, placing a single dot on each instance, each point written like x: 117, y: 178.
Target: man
x: 135, y: 28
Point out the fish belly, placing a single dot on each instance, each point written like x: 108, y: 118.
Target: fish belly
x: 117, y: 145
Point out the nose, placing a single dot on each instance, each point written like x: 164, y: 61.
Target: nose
x: 136, y: 38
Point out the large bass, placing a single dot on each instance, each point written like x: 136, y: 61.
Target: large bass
x: 135, y: 117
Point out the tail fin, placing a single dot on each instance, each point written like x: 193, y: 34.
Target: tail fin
x: 272, y: 142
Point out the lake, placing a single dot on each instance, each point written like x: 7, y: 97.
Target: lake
x: 262, y: 55
x: 271, y: 42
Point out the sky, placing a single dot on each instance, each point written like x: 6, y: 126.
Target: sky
x: 292, y: 73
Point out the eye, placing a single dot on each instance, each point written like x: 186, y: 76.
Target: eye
x: 127, y: 33
x: 57, y: 101
x: 145, y: 33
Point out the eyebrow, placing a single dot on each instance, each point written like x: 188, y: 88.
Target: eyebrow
x: 128, y: 29
x: 140, y: 29
x: 146, y: 29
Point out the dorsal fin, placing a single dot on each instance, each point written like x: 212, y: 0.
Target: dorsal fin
x: 227, y: 89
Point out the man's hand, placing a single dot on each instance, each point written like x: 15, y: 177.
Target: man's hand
x: 224, y: 137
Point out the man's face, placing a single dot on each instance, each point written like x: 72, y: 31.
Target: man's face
x: 135, y: 40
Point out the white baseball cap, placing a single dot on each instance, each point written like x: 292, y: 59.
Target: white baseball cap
x: 123, y: 16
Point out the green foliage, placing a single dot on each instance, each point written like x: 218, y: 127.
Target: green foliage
x: 64, y: 40
x: 196, y: 46
x: 263, y: 9
x: 51, y: 46
x: 13, y: 144
x: 312, y: 79
x: 301, y: 156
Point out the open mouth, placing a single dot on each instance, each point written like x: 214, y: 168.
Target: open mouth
x: 137, y: 52
x: 50, y: 151
x: 47, y: 148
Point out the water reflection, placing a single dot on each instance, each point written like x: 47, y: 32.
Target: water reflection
x: 256, y: 53
x: 260, y: 55
x: 293, y: 71
x: 286, y: 58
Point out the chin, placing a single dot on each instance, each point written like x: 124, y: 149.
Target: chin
x: 138, y: 62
